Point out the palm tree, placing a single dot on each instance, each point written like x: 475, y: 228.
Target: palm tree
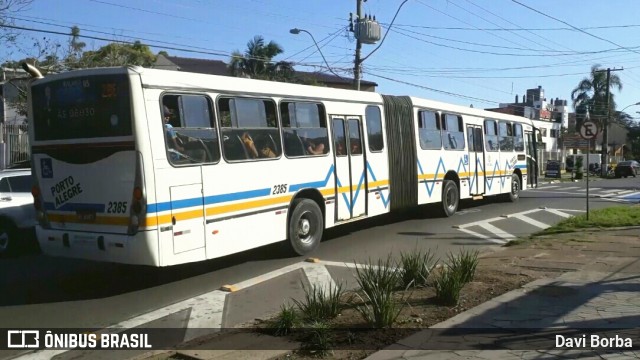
x: 256, y: 62
x: 591, y: 96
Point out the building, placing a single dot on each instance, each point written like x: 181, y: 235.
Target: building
x: 550, y: 116
x: 217, y: 67
x: 8, y: 94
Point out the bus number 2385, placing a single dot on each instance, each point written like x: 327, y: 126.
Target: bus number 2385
x: 279, y: 189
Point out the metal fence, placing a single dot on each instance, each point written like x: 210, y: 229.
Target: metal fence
x: 16, y: 139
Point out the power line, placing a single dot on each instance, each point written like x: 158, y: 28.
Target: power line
x: 518, y: 28
x: 432, y: 89
x: 576, y: 28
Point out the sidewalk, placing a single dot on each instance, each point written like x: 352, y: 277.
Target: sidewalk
x: 587, y: 280
x: 598, y: 290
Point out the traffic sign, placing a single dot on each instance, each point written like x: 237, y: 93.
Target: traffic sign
x: 588, y: 130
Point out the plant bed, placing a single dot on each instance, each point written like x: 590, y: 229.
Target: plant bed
x: 352, y: 338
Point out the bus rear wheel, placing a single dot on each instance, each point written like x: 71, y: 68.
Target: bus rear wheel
x: 306, y: 226
x: 514, y: 194
x: 450, y: 198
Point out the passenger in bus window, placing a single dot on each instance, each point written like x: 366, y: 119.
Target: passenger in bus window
x: 355, y: 148
x: 172, y: 138
x: 311, y: 147
x: 249, y: 145
x: 340, y: 150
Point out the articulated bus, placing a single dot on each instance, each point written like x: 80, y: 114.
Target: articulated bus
x: 156, y: 167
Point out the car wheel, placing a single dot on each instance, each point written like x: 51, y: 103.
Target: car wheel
x: 306, y: 226
x: 450, y: 198
x: 7, y: 237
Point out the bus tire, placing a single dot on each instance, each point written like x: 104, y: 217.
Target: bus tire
x: 8, y: 238
x: 306, y: 226
x: 450, y: 198
x: 514, y: 193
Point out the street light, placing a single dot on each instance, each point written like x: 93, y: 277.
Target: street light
x: 296, y: 31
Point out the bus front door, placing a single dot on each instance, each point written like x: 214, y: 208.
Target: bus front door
x: 349, y: 167
x: 531, y: 159
x: 476, y: 160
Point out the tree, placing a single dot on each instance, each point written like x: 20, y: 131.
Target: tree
x: 256, y: 62
x: 115, y: 54
x: 591, y: 96
x: 7, y: 8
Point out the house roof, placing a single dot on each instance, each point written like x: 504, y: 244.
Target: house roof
x: 217, y: 67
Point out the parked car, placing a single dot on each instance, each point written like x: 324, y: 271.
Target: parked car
x: 17, y: 214
x: 627, y: 168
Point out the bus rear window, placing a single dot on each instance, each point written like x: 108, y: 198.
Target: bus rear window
x: 85, y: 107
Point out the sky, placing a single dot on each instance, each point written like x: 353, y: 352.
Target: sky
x: 465, y: 52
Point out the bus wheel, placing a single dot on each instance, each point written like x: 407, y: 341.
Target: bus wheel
x: 306, y: 226
x: 514, y: 194
x: 7, y: 237
x: 450, y: 198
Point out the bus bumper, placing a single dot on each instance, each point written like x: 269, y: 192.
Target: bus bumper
x: 136, y: 249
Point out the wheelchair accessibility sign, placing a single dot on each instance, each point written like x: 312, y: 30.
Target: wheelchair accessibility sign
x: 46, y: 168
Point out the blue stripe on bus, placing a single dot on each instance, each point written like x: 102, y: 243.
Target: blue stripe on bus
x: 521, y: 166
x: 313, y: 184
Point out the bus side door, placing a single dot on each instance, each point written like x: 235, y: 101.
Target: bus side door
x: 349, y: 164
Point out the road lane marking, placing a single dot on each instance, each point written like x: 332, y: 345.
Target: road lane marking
x: 559, y: 213
x: 482, y: 236
x: 496, y: 231
x: 572, y: 187
x: 319, y: 275
x: 550, y: 187
x: 531, y: 221
x: 610, y: 191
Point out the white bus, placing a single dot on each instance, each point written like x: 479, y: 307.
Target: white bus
x: 156, y: 167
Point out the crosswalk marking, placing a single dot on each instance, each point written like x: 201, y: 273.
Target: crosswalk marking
x: 610, y: 191
x: 493, y: 229
x: 590, y: 189
x: 559, y: 213
x: 571, y: 187
x: 624, y: 192
x: 531, y: 221
x: 550, y: 187
x: 482, y: 236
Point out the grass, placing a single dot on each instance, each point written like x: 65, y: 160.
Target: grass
x: 319, y: 339
x: 603, y: 218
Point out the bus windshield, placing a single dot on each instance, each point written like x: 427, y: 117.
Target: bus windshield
x: 86, y: 107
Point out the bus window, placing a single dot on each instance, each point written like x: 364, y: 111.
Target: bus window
x: 374, y: 128
x: 429, y: 130
x: 506, y: 135
x: 355, y: 141
x: 518, y: 141
x: 453, y: 135
x: 304, y: 127
x: 491, y: 135
x: 249, y: 129
x: 190, y: 132
x: 339, y: 140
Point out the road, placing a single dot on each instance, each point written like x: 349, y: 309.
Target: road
x: 44, y: 292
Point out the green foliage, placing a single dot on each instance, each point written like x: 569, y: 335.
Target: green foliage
x: 448, y: 285
x: 286, y: 321
x: 464, y: 264
x: 257, y: 62
x: 415, y: 268
x: 591, y: 94
x: 378, y: 282
x: 318, y: 339
x: 320, y: 304
x: 115, y: 54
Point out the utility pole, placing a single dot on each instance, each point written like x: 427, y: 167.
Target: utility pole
x: 605, y: 128
x: 356, y: 68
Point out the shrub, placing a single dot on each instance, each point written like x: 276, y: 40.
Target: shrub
x: 378, y: 283
x: 416, y: 268
x: 319, y: 304
x: 464, y: 264
x: 448, y: 285
x: 318, y: 339
x: 286, y: 321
